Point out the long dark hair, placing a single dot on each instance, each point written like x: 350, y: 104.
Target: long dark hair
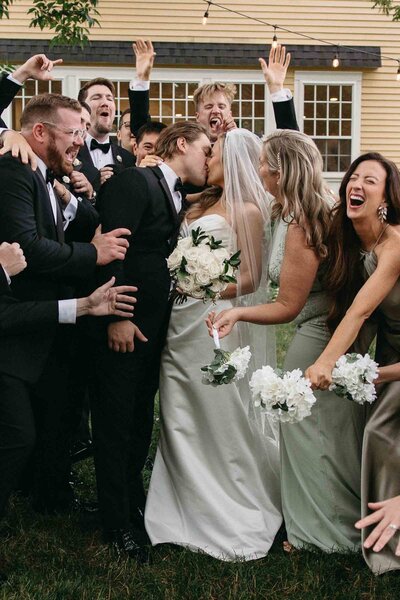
x: 343, y: 265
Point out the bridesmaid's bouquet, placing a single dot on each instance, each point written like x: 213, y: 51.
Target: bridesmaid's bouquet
x: 226, y: 366
x: 201, y: 267
x: 285, y: 397
x: 353, y: 378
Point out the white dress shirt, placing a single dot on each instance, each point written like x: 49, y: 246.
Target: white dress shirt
x: 170, y: 178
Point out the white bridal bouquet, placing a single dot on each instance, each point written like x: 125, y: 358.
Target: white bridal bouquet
x: 200, y: 267
x: 353, y: 378
x: 285, y: 397
x: 227, y: 366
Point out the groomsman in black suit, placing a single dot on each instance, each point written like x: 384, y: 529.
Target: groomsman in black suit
x: 31, y: 215
x: 101, y: 157
x: 127, y: 358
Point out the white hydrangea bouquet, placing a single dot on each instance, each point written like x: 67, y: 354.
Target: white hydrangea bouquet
x: 201, y: 267
x: 226, y: 366
x: 353, y: 378
x: 285, y: 397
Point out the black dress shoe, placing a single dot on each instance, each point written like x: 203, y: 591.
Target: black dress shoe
x: 81, y: 450
x: 124, y: 544
x: 68, y: 506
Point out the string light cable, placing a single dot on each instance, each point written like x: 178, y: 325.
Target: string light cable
x: 336, y: 59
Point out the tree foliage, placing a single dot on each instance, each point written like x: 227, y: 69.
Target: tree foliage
x: 389, y: 8
x: 70, y: 20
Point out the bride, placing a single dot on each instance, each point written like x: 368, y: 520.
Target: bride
x: 215, y: 482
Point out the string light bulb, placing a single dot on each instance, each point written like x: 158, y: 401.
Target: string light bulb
x: 274, y: 39
x: 398, y: 72
x: 336, y: 61
x: 206, y: 14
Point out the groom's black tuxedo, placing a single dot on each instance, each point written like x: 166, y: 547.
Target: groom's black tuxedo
x: 122, y: 414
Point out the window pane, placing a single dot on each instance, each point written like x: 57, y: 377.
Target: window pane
x: 123, y: 89
x: 309, y: 110
x: 247, y: 91
x: 166, y: 90
x: 191, y: 88
x: 166, y: 108
x: 259, y: 127
x: 321, y: 110
x: 321, y: 127
x: 347, y: 92
x: 309, y: 92
x: 334, y: 93
x: 344, y: 163
x: 346, y: 128
x: 29, y: 88
x: 332, y: 146
x: 345, y: 147
x: 321, y: 145
x: 154, y: 90
x: 180, y: 90
x: 322, y: 92
x: 332, y: 164
x: 333, y: 127
x: 247, y: 109
x: 259, y: 109
x: 309, y: 127
x: 346, y: 111
x: 259, y: 91
x: 180, y: 108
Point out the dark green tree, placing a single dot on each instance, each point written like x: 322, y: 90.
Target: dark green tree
x: 70, y: 20
x: 389, y: 8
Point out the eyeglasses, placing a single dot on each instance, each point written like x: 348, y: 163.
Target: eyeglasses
x: 75, y: 133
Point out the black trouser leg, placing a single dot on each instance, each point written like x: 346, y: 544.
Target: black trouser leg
x: 17, y: 433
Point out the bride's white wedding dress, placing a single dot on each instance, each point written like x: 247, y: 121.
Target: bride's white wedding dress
x: 215, y: 483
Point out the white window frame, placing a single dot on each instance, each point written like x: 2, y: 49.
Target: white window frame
x: 302, y: 78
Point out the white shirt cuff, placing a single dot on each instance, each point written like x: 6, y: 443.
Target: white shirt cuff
x: 67, y: 311
x: 70, y: 211
x: 138, y: 85
x: 11, y: 78
x: 7, y: 275
x: 281, y: 95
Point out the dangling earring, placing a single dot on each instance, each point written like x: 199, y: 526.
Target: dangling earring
x: 382, y: 213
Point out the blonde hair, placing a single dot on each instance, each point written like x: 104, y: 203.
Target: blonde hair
x: 208, y: 89
x: 304, y: 197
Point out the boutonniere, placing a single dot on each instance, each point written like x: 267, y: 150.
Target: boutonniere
x: 76, y: 162
x: 119, y: 158
x: 66, y: 179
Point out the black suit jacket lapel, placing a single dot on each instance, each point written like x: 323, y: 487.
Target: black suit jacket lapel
x: 161, y: 179
x: 57, y: 228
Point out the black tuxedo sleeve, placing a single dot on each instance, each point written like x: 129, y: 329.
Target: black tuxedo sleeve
x: 26, y: 317
x: 8, y: 89
x: 21, y: 212
x: 122, y: 203
x: 140, y: 106
x: 285, y: 115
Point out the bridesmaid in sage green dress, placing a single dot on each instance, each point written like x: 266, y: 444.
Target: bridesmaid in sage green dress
x: 321, y: 455
x: 366, y: 225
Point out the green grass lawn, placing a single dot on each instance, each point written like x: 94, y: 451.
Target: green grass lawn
x: 62, y: 558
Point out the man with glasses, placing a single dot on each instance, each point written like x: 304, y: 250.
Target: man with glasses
x: 31, y: 215
x: 100, y: 156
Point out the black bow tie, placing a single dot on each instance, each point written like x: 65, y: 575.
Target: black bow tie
x: 94, y: 145
x: 179, y: 187
x: 50, y: 177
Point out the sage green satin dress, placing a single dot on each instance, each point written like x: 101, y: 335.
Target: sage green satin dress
x: 381, y: 449
x: 321, y: 455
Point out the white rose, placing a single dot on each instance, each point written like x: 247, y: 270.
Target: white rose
x: 218, y: 286
x: 174, y: 259
x: 186, y: 284
x: 202, y: 277
x: 185, y: 243
x: 221, y: 254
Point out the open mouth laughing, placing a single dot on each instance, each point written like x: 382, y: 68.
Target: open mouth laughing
x: 355, y: 200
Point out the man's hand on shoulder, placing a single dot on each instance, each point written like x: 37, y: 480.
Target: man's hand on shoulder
x: 15, y: 143
x: 110, y: 246
x: 121, y: 336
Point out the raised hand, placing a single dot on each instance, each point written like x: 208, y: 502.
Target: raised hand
x: 110, y: 246
x: 275, y: 71
x: 12, y: 258
x: 387, y: 517
x: 121, y: 336
x: 145, y: 55
x: 109, y: 300
x: 36, y: 67
x: 15, y: 143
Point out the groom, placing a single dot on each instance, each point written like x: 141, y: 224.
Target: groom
x: 127, y: 360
